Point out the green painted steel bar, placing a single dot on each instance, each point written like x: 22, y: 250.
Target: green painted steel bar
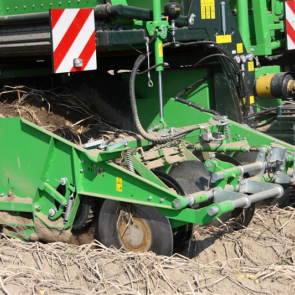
x: 243, y: 22
x: 199, y: 216
x: 157, y: 12
x: 16, y: 206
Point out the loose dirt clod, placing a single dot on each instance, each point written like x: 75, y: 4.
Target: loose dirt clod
x: 256, y: 260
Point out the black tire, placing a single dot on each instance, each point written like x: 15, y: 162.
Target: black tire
x: 182, y: 234
x: 84, y: 214
x: 134, y: 228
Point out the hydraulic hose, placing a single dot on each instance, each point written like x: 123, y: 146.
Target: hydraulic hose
x: 142, y: 132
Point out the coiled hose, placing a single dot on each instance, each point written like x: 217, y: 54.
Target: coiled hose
x: 140, y: 129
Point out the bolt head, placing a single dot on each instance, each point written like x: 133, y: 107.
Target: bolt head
x: 161, y: 200
x: 51, y: 212
x: 63, y: 181
x: 177, y: 204
x: 150, y: 198
x: 208, y: 164
x: 82, y: 170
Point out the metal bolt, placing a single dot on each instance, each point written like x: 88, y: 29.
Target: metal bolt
x: 38, y: 207
x: 2, y: 195
x: 9, y: 193
x: 82, y: 170
x: 150, y: 198
x: 208, y: 164
x: 63, y: 181
x: 51, y: 212
x: 83, y: 161
x: 161, y: 200
x: 177, y: 204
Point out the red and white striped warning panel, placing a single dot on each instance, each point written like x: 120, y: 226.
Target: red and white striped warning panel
x: 290, y: 23
x: 73, y: 40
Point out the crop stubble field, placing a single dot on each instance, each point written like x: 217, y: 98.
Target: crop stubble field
x: 259, y: 259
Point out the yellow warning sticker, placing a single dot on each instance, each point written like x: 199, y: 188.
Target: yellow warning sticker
x: 119, y: 184
x: 160, y: 49
x: 251, y: 66
x: 208, y: 9
x: 240, y: 48
x: 223, y: 39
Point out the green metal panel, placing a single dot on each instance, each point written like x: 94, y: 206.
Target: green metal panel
x: 176, y: 114
x: 11, y: 7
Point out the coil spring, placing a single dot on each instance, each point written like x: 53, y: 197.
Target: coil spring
x: 129, y: 161
x: 227, y: 131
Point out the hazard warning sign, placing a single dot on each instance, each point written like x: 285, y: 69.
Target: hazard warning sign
x: 73, y: 40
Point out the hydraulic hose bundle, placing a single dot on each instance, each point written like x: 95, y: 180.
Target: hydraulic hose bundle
x: 139, y: 61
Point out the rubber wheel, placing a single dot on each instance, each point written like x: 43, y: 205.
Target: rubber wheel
x: 182, y: 234
x: 84, y: 214
x: 134, y: 228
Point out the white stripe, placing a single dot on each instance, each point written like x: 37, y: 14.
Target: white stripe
x: 290, y: 43
x: 62, y: 26
x: 92, y: 64
x: 290, y: 16
x: 78, y: 45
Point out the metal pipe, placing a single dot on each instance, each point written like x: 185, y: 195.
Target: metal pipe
x: 245, y: 202
x: 243, y: 22
x: 124, y: 11
x: 277, y: 44
x: 238, y: 170
x: 161, y: 95
x: 223, y: 17
x: 24, y: 18
x: 69, y: 207
x: 101, y: 11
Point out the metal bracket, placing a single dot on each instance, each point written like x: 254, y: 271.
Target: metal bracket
x: 221, y: 196
x: 118, y: 144
x: 97, y: 143
x: 250, y: 186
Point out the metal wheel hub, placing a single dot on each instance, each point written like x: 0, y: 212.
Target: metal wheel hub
x: 134, y: 233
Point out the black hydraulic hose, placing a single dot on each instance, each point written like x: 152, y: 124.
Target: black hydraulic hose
x: 209, y: 56
x: 194, y: 105
x: 164, y: 64
x: 262, y: 113
x: 233, y: 63
x: 142, y: 132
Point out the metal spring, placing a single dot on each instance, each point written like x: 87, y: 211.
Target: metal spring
x: 129, y: 161
x: 227, y: 131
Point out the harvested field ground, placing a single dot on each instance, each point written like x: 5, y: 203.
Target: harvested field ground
x: 257, y: 260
